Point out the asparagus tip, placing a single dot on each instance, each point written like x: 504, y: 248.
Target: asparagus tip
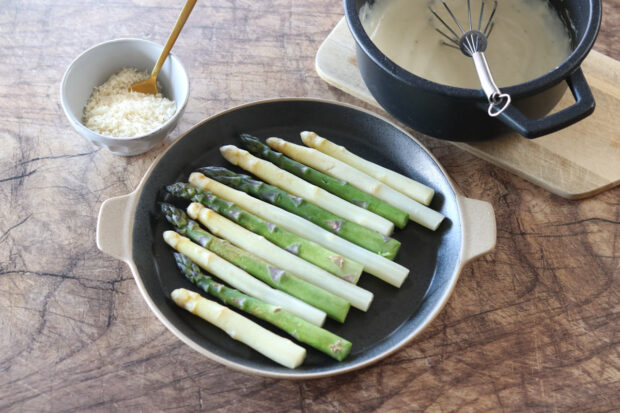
x: 172, y: 238
x: 194, y: 209
x: 311, y: 139
x: 247, y: 136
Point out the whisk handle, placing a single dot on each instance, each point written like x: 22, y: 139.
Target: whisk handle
x: 484, y: 74
x: 533, y: 128
x: 498, y: 101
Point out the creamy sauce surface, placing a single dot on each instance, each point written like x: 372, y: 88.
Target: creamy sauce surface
x: 528, y: 40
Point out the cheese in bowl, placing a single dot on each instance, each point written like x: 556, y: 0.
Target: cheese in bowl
x: 115, y: 110
x: 527, y: 41
x: 94, y: 67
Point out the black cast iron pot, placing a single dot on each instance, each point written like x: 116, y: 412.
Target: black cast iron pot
x: 458, y: 114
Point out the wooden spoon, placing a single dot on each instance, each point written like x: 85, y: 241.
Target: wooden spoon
x: 150, y: 84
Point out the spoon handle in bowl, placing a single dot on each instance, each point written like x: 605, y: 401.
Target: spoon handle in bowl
x: 178, y: 26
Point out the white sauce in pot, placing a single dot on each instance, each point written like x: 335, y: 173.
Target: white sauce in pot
x: 528, y: 40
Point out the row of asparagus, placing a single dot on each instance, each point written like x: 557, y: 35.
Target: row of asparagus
x: 262, y: 297
x: 284, y: 236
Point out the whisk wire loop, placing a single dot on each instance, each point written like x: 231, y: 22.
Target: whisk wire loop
x: 453, y: 16
x: 481, y: 15
x: 490, y: 23
x: 453, y: 36
x: 456, y: 37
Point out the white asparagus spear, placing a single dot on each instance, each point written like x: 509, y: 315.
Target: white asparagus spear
x: 241, y: 280
x: 374, y: 264
x: 279, y: 349
x: 419, y: 213
x: 413, y: 189
x: 297, y: 186
x: 258, y: 245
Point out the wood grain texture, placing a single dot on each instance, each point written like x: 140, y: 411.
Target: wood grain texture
x: 532, y: 327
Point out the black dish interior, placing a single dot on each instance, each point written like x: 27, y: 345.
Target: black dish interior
x: 395, y: 314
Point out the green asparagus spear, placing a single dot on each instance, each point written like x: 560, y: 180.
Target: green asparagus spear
x: 334, y: 306
x: 337, y: 187
x: 310, y: 251
x: 357, y: 234
x: 305, y: 332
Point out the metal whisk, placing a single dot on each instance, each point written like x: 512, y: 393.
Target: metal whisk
x: 473, y: 43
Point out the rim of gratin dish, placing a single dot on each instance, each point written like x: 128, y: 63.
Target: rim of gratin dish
x: 294, y: 375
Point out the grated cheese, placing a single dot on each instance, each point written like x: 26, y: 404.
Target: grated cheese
x: 114, y: 110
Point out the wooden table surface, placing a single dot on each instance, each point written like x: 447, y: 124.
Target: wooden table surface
x: 533, y: 326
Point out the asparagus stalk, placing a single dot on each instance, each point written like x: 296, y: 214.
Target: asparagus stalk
x: 318, y: 176
x: 297, y: 186
x: 310, y: 251
x: 241, y: 280
x: 300, y: 329
x: 241, y: 237
x: 374, y: 264
x: 335, y: 307
x: 362, y: 236
x: 413, y: 189
x: 339, y: 170
x: 279, y: 349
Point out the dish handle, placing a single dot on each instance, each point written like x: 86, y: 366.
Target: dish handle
x: 114, y: 226
x: 479, y: 230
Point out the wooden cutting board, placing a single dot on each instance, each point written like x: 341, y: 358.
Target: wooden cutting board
x: 577, y: 162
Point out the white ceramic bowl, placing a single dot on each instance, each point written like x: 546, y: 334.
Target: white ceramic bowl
x: 97, y: 64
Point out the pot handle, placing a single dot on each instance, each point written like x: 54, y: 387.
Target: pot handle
x: 479, y: 230
x: 533, y: 128
x: 114, y: 226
